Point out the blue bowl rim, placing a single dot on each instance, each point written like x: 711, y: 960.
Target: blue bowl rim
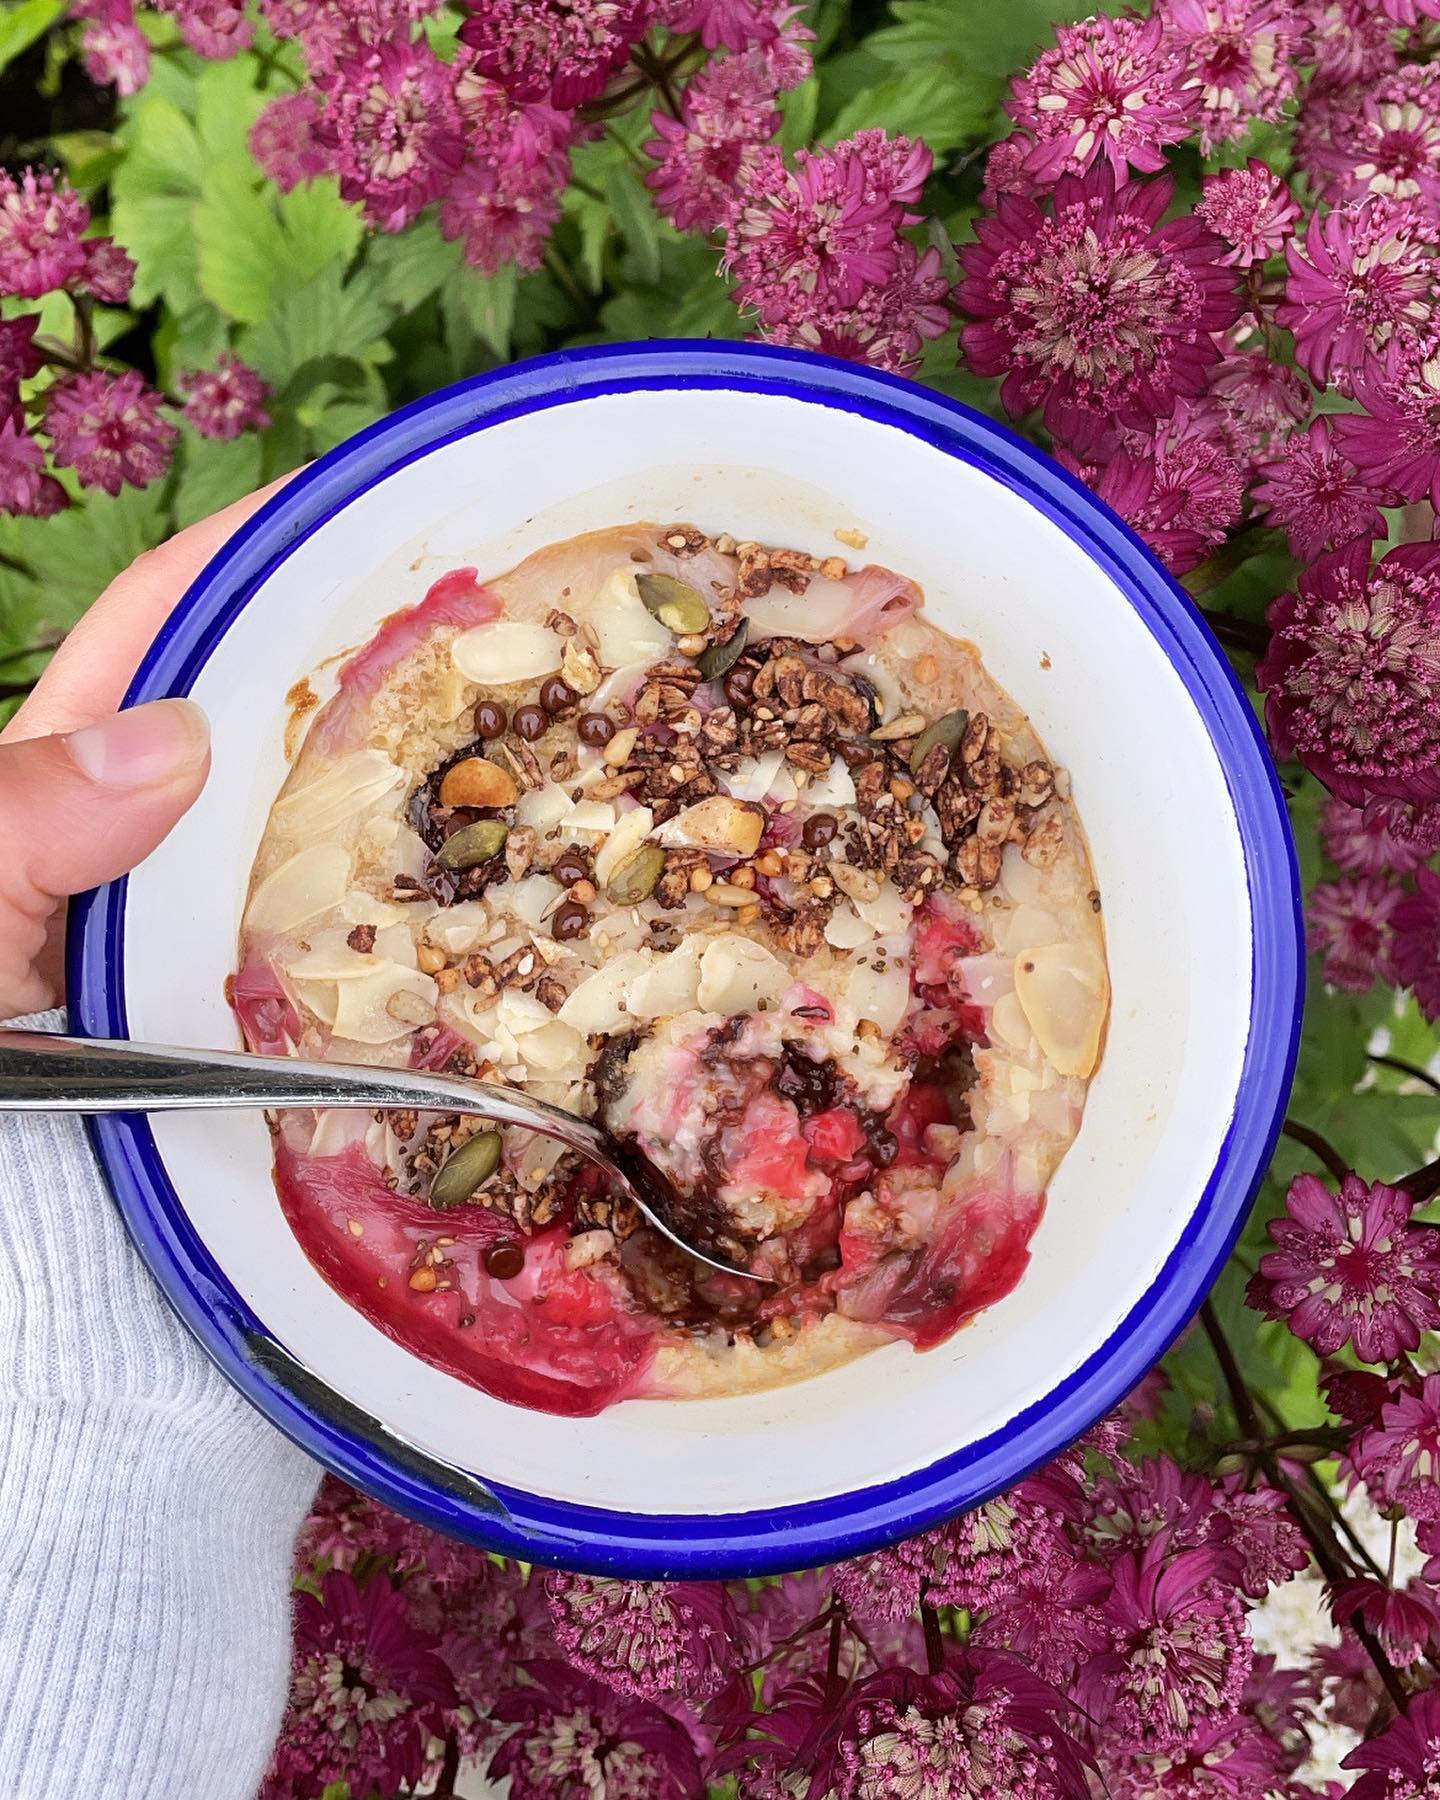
x: 767, y: 1540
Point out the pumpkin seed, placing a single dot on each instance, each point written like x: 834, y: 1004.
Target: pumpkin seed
x: 719, y: 659
x: 678, y: 606
x: 947, y: 730
x: 472, y: 845
x: 465, y: 1169
x: 636, y: 877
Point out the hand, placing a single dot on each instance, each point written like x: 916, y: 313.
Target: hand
x: 87, y: 792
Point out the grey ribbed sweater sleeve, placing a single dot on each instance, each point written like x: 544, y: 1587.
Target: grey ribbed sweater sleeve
x: 147, y: 1514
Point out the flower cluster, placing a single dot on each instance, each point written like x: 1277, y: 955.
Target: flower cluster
x: 58, y: 404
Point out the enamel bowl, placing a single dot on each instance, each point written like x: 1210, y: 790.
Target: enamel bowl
x: 1126, y: 688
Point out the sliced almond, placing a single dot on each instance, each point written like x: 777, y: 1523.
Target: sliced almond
x: 578, y: 668
x: 477, y: 782
x: 1064, y: 991
x: 507, y: 650
x: 722, y: 824
x: 855, y: 884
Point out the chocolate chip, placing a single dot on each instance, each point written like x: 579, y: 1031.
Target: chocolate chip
x: 570, y: 921
x: 531, y: 721
x: 504, y: 1260
x: 595, y: 729
x: 557, y: 697
x: 818, y: 830
x: 490, y: 719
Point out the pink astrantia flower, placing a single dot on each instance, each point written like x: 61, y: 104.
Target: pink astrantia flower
x: 1051, y: 1614
x: 1252, y: 402
x: 1182, y: 1654
x: 1352, y: 921
x: 560, y: 51
x: 1091, y: 308
x: 1007, y: 171
x: 1317, y: 496
x: 887, y: 1584
x: 1396, y: 440
x: 1389, y: 144
x: 285, y: 141
x: 216, y: 29
x: 1232, y: 1759
x: 982, y: 1550
x: 652, y: 1639
x: 733, y: 24
x: 41, y: 226
x: 1384, y: 838
x: 1347, y: 40
x: 574, y: 1735
x: 1258, y: 1534
x: 1110, y: 88
x: 1240, y: 58
x: 729, y: 110
x: 1179, y: 486
x: 1403, y: 1619
x: 1251, y: 209
x: 1352, y: 675
x: 888, y: 325
x: 19, y: 359
x: 507, y: 196
x: 1401, y: 1761
x: 1350, y: 1268
x: 25, y: 488
x: 985, y: 1725
x: 115, y: 51
x: 225, y: 401
x: 1362, y: 281
x: 108, y: 272
x: 392, y: 124
x: 821, y: 234
x: 1416, y: 952
x: 1399, y: 1459
x: 109, y: 429
x: 366, y: 1690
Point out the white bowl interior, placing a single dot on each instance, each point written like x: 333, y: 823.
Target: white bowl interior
x: 1064, y: 641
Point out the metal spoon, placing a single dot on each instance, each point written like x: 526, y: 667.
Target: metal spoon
x: 47, y: 1072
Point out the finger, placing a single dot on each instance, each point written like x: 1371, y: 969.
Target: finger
x: 90, y: 672
x: 78, y: 810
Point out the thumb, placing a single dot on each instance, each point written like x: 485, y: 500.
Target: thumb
x: 78, y: 810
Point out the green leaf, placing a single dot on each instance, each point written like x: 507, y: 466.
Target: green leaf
x: 227, y: 104
x: 25, y: 24
x: 798, y: 110
x: 325, y: 315
x: 153, y: 196
x: 411, y: 265
x: 243, y: 253
x: 637, y: 222
x: 947, y: 109
x: 79, y: 552
x: 481, y: 307
x: 212, y: 474
x: 997, y: 40
x: 322, y: 231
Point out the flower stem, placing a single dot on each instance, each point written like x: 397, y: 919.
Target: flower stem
x: 1236, y: 633
x: 832, y: 1660
x: 565, y: 275
x: 1424, y: 1184
x: 934, y: 1642
x: 1326, y: 1551
x: 1319, y: 1146
x: 1408, y: 1068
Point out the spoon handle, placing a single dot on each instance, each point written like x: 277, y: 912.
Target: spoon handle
x: 49, y: 1072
